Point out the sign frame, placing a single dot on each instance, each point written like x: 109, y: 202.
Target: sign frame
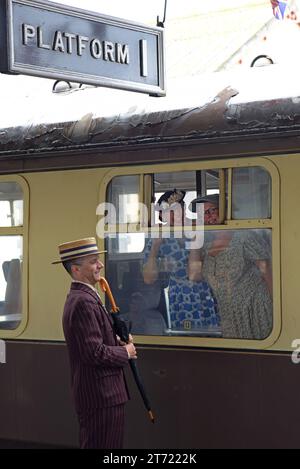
x: 9, y: 64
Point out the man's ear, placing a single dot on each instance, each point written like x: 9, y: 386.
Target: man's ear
x: 75, y: 268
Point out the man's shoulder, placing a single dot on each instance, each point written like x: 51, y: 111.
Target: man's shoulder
x: 80, y: 295
x: 80, y: 289
x: 79, y: 300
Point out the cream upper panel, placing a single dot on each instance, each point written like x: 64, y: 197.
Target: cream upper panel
x: 63, y: 208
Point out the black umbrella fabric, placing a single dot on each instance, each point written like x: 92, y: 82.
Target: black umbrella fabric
x: 121, y: 329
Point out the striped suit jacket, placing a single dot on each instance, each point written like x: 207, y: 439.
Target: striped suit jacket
x: 96, y: 359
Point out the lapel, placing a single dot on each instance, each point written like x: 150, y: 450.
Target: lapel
x: 84, y: 288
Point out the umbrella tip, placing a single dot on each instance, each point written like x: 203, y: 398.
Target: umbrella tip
x: 151, y: 416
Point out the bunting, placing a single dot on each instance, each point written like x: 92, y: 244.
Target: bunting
x: 280, y: 9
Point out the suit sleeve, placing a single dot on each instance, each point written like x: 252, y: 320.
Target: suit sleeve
x: 89, y: 336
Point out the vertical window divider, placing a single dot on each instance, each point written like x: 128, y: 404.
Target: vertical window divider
x: 141, y: 214
x: 229, y: 195
x: 222, y: 197
x: 147, y: 199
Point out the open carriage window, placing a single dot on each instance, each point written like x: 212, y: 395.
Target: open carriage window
x: 191, y: 277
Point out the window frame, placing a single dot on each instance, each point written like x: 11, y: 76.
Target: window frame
x: 23, y: 232
x: 272, y: 223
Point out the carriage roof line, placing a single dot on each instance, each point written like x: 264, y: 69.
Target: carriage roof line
x: 228, y: 115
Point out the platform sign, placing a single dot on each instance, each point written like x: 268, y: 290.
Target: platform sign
x: 51, y: 40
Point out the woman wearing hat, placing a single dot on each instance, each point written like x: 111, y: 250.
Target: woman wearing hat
x: 236, y: 263
x: 96, y: 357
x: 192, y: 306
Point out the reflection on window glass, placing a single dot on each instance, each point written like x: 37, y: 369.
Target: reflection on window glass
x: 11, y: 204
x: 211, y: 179
x: 123, y: 193
x: 11, y: 253
x: 223, y: 289
x: 251, y: 193
x: 5, y: 216
x: 18, y: 212
x: 189, y: 306
x: 238, y: 267
x: 126, y: 243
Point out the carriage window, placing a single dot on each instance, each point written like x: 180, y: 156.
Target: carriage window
x: 251, y: 193
x: 11, y: 254
x: 204, y: 281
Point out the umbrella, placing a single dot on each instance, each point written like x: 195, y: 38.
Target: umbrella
x: 121, y: 330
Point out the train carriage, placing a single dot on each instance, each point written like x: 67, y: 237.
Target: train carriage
x: 208, y: 389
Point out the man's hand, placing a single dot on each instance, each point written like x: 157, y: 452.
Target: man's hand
x: 130, y: 340
x: 131, y: 350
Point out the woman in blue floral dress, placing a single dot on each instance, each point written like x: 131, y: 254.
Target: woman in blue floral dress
x: 192, y: 306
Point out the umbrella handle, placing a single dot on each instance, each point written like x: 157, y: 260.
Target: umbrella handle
x: 106, y: 289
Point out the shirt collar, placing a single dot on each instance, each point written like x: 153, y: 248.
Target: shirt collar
x: 88, y: 285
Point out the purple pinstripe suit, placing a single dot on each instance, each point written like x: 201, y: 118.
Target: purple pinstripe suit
x: 97, y: 362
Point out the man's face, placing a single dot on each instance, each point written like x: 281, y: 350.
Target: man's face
x: 211, y: 214
x: 89, y: 270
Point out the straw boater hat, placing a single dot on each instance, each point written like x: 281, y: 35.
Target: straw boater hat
x: 76, y: 249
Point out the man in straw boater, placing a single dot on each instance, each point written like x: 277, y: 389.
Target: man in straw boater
x: 97, y: 357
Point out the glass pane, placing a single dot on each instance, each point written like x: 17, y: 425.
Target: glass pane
x: 11, y: 253
x: 211, y: 182
x: 18, y: 212
x: 222, y: 289
x: 5, y: 216
x: 125, y: 243
x: 123, y: 194
x: 145, y: 303
x: 11, y: 204
x: 123, y: 267
x: 251, y: 193
x: 237, y: 264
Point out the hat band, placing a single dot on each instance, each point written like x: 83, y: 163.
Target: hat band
x: 75, y: 256
x: 77, y: 252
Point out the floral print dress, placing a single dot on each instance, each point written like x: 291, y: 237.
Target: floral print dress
x: 244, y: 302
x: 192, y: 306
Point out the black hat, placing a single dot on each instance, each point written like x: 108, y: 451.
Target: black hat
x: 169, y: 198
